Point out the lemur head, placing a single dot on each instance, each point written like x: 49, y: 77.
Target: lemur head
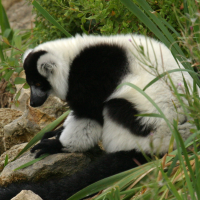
x: 44, y: 75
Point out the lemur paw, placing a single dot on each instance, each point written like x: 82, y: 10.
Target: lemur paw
x: 48, y: 135
x: 184, y: 129
x: 51, y: 146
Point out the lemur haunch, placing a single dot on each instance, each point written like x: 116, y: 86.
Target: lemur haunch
x: 85, y: 71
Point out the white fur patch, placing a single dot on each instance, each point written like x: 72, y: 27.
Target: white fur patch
x: 117, y: 138
x: 57, y: 73
x: 80, y: 135
x: 26, y: 54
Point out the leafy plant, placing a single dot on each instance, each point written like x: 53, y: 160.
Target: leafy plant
x: 97, y: 17
x: 12, y: 45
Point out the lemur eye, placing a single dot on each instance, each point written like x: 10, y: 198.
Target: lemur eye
x: 38, y: 84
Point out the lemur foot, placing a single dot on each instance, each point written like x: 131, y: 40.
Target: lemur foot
x: 184, y: 129
x: 51, y: 146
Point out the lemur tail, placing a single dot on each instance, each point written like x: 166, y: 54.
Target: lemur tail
x: 63, y: 188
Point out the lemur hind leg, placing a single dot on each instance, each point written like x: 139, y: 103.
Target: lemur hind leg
x: 77, y: 135
x: 54, y: 133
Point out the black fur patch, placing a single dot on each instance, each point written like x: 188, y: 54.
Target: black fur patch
x: 61, y: 189
x: 123, y: 112
x: 56, y: 133
x: 32, y: 75
x: 94, y: 74
x: 47, y: 146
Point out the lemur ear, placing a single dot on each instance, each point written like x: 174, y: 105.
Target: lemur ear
x: 46, y: 69
x: 26, y: 53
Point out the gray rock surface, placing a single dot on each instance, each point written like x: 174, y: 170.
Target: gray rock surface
x: 31, y: 122
x: 19, y: 14
x: 27, y: 195
x: 7, y: 115
x: 56, y: 165
x: 8, y: 3
x: 12, y: 153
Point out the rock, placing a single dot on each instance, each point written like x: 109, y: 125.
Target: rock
x: 12, y: 153
x: 20, y: 15
x: 24, y: 93
x: 7, y: 115
x: 23, y: 99
x: 5, y: 97
x: 54, y: 107
x: 27, y: 195
x: 61, y: 164
x: 25, y: 127
x: 8, y: 3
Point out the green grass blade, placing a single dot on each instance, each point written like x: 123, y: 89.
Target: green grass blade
x: 1, y: 54
x: 143, y: 17
x: 107, y: 182
x: 191, y: 138
x: 4, y: 23
x: 196, y: 181
x: 169, y: 26
x: 146, y: 168
x: 100, y: 185
x: 170, y: 185
x: 6, y: 160
x: 176, y: 50
x: 150, y: 115
x: 31, y: 162
x: 196, y: 102
x: 166, y: 73
x: 172, y: 165
x: 181, y: 148
x: 37, y: 137
x: 185, y: 7
x: 159, y: 23
x: 50, y: 18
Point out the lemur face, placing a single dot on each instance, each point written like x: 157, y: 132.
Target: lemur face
x: 39, y: 85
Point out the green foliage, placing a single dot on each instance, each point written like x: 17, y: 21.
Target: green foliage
x: 50, y: 18
x: 12, y: 45
x: 6, y: 160
x: 190, y: 39
x: 97, y: 17
x: 31, y: 162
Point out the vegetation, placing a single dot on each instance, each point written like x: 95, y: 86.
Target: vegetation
x: 13, y: 43
x: 97, y: 17
x: 176, y: 175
